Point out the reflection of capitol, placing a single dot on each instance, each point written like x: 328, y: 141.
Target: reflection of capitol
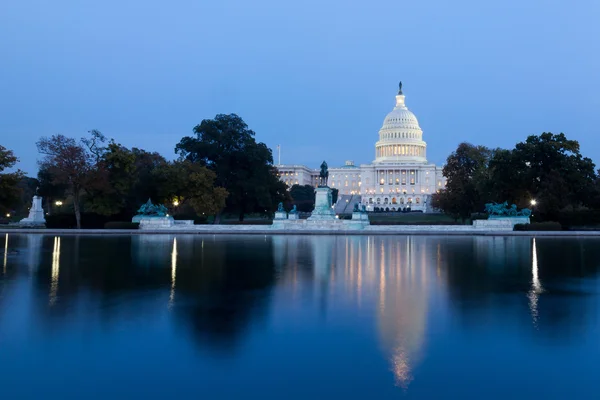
x: 390, y: 275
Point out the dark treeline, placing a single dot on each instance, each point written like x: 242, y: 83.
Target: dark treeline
x: 221, y: 169
x: 545, y: 172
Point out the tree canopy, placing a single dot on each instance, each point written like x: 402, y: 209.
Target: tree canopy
x: 547, y: 168
x: 10, y: 191
x: 242, y: 166
x: 71, y: 163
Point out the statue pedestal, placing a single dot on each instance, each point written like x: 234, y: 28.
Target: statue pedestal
x: 36, y: 213
x: 323, y: 209
x: 280, y: 215
x: 156, y: 222
x: 293, y: 216
x: 360, y: 216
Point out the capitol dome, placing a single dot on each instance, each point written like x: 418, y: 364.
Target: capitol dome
x: 400, y: 137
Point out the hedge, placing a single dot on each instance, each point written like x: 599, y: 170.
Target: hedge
x: 539, y: 226
x: 121, y: 225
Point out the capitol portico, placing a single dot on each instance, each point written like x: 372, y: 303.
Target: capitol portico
x: 400, y: 176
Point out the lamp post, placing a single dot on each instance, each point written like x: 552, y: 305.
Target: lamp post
x: 533, y: 203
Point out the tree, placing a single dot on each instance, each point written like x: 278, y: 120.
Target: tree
x: 242, y: 166
x: 49, y: 190
x: 10, y: 191
x: 71, y: 163
x: 467, y: 187
x: 184, y: 182
x: 548, y: 168
x: 303, y: 196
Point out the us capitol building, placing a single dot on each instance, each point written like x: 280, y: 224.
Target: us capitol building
x: 399, y: 177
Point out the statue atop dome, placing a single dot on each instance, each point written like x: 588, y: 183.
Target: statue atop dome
x: 400, y: 88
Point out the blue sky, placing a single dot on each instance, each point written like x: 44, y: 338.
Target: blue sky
x: 317, y: 77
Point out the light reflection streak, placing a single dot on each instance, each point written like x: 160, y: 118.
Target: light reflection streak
x: 5, y: 254
x: 536, y: 286
x: 55, y: 270
x: 174, y: 272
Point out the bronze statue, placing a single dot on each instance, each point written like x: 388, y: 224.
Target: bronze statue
x: 324, y: 174
x: 400, y: 88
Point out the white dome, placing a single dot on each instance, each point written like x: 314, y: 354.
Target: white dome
x: 400, y: 137
x: 401, y: 118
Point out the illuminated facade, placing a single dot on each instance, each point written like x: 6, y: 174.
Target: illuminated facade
x: 399, y: 177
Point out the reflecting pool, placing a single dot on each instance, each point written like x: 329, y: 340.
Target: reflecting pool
x: 298, y: 317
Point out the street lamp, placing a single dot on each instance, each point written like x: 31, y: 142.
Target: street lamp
x: 175, y: 203
x: 533, y: 203
x: 58, y: 203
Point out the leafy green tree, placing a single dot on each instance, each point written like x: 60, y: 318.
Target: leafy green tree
x: 242, y: 166
x: 183, y: 182
x: 125, y: 180
x: 334, y: 195
x: 10, y: 191
x: 51, y: 191
x: 548, y: 168
x: 467, y: 187
x: 303, y: 196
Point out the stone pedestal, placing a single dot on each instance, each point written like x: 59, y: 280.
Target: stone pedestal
x: 293, y: 216
x: 323, y: 210
x: 281, y: 215
x: 513, y: 220
x: 156, y: 222
x: 360, y: 216
x: 36, y: 213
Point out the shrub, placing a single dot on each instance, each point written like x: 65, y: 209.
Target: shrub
x: 67, y: 221
x: 121, y: 225
x: 198, y: 219
x: 583, y: 218
x: 539, y: 226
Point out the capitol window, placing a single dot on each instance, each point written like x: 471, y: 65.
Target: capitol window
x: 382, y: 181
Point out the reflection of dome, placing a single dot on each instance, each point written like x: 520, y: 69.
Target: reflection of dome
x: 400, y: 137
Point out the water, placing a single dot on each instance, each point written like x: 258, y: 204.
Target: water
x: 298, y: 317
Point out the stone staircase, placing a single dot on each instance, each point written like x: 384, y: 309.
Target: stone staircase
x: 345, y: 203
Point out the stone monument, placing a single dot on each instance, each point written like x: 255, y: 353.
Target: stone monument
x: 293, y: 213
x: 36, y: 213
x: 359, y: 215
x: 153, y: 216
x: 506, y: 213
x: 280, y: 213
x: 323, y: 210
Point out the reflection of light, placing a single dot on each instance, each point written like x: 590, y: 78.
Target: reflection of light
x: 55, y: 270
x: 536, y: 286
x: 5, y: 254
x: 401, y: 368
x: 173, y: 272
